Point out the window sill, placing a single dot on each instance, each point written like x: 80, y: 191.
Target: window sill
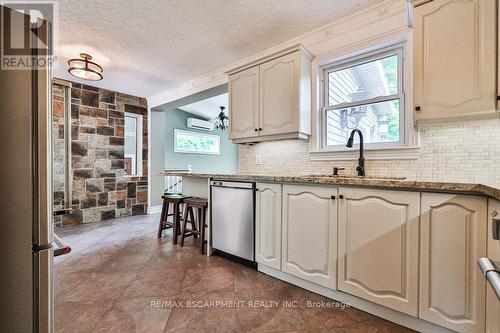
x: 395, y: 153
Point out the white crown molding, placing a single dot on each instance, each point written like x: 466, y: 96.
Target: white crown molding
x: 389, y: 10
x: 288, y: 50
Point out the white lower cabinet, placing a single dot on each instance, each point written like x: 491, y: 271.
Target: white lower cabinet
x: 492, y: 303
x: 309, y: 243
x: 378, y: 247
x: 453, y: 238
x: 268, y: 225
x: 412, y: 252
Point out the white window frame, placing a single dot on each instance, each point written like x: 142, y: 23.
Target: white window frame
x: 196, y: 134
x: 408, y: 148
x: 359, y: 60
x: 138, y: 160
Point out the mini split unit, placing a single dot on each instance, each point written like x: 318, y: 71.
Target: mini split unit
x: 199, y: 124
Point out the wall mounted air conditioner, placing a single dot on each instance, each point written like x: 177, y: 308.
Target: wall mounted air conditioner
x: 199, y: 124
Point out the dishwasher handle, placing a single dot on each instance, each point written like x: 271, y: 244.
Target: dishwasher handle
x: 228, y: 184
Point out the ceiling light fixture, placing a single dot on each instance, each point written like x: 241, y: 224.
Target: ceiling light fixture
x: 221, y: 122
x: 84, y: 68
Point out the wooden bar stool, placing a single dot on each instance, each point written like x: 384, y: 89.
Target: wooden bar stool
x: 176, y: 200
x: 195, y: 231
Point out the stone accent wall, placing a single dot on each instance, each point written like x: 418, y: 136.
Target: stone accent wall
x: 467, y: 151
x: 101, y: 191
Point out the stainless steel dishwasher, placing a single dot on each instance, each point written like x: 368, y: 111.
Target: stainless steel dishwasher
x: 233, y: 218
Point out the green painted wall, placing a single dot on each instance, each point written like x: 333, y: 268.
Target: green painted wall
x: 226, y: 162
x: 163, y: 157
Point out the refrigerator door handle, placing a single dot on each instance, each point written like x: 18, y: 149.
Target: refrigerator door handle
x: 40, y: 247
x: 491, y: 273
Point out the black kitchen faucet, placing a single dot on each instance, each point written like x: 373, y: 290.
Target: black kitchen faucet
x: 361, y: 161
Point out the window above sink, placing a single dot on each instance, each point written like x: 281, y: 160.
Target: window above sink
x: 369, y: 90
x: 365, y: 93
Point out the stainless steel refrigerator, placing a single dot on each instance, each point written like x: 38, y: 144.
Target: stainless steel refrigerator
x: 26, y: 234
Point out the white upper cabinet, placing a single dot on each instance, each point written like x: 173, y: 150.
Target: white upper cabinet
x: 244, y: 103
x: 278, y: 94
x: 493, y: 252
x: 309, y: 248
x: 378, y: 246
x: 280, y: 107
x: 268, y: 225
x: 454, y: 59
x: 453, y: 238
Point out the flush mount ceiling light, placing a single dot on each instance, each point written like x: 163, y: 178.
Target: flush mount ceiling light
x: 84, y: 68
x: 221, y: 122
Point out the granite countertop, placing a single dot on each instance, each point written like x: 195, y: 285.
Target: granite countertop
x: 373, y: 182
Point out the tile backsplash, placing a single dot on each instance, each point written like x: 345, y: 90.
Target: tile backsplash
x: 467, y: 151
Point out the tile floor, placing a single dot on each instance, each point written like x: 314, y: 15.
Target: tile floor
x: 121, y: 278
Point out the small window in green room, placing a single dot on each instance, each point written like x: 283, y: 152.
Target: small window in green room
x: 196, y: 142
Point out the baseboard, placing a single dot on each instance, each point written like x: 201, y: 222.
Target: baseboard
x: 154, y: 209
x: 356, y: 302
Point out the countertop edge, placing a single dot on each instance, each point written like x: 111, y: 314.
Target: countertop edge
x: 445, y: 187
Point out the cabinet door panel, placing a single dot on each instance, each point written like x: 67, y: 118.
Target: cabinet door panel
x: 310, y: 233
x: 268, y: 226
x: 244, y: 103
x: 378, y: 247
x: 279, y: 90
x: 454, y: 53
x: 453, y: 238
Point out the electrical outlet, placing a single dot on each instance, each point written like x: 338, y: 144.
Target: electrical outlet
x: 258, y: 159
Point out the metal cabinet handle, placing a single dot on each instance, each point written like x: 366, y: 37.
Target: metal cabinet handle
x: 491, y: 273
x: 495, y: 228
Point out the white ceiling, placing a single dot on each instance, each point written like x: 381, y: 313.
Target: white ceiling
x: 207, y: 108
x: 146, y: 46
